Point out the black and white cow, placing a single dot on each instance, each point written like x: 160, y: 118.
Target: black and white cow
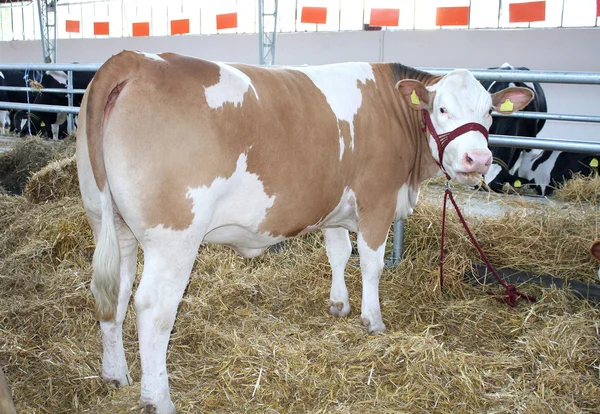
x: 546, y: 170
x: 503, y: 169
x: 45, y: 123
x: 4, y: 115
x: 541, y: 170
x: 20, y: 78
x: 55, y: 123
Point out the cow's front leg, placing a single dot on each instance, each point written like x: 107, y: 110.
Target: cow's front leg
x: 371, y: 266
x: 337, y: 243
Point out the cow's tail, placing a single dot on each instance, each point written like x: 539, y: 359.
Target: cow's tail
x: 106, y: 280
x: 101, y: 96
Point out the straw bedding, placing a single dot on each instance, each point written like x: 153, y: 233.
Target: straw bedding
x: 29, y: 156
x: 255, y: 335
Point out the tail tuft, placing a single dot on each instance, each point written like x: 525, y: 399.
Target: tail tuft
x: 106, y: 279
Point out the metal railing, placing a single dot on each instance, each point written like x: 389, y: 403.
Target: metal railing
x: 70, y: 110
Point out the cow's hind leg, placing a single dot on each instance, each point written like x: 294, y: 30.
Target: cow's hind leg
x: 114, y: 364
x: 168, y: 263
x: 337, y: 243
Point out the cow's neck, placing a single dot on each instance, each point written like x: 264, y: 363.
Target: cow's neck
x: 411, y: 124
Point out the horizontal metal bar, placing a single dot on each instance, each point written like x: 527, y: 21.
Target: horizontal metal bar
x: 51, y: 66
x: 40, y: 108
x: 555, y: 117
x: 495, y: 140
x: 549, y: 144
x: 584, y: 78
x: 47, y: 90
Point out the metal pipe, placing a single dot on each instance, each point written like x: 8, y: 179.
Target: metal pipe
x: 545, y: 115
x: 46, y: 90
x: 261, y: 32
x: 398, y: 242
x: 549, y: 144
x: 584, y: 78
x: 70, y: 126
x: 40, y: 108
x: 51, y: 66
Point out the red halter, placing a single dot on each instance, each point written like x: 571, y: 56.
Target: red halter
x: 446, y: 138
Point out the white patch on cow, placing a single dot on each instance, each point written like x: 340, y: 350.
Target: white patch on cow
x: 405, y: 201
x: 339, y: 84
x: 4, y: 121
x: 541, y: 175
x: 492, y: 173
x: 152, y: 56
x: 229, y: 211
x: 59, y: 75
x: 339, y: 249
x: 232, y: 86
x: 1, y: 75
x: 371, y: 265
x: 513, y: 170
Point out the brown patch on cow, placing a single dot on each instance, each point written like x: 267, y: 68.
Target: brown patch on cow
x: 595, y: 250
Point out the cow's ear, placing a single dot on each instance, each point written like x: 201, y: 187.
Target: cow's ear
x: 512, y: 99
x: 414, y: 93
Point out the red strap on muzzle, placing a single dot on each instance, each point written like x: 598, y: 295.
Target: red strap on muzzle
x: 446, y: 138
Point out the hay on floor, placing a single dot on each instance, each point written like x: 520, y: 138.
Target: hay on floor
x: 28, y: 156
x: 255, y: 335
x: 581, y: 189
x: 55, y: 181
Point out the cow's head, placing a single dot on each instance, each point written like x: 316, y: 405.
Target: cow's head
x: 455, y: 100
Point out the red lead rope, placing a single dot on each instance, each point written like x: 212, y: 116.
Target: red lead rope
x: 511, y: 294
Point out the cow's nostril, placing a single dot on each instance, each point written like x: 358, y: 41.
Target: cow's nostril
x: 469, y: 160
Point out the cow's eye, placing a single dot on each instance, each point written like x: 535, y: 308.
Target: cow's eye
x: 443, y: 110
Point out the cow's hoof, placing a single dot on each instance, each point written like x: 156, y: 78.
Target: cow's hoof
x: 151, y: 408
x: 338, y: 308
x: 119, y: 382
x: 373, y: 327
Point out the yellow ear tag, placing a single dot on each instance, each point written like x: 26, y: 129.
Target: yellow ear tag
x: 518, y: 184
x: 414, y: 98
x: 594, y: 163
x: 507, y: 106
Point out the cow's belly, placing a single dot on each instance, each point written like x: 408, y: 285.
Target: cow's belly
x: 343, y: 215
x: 244, y: 241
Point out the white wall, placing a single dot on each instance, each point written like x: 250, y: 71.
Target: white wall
x: 560, y: 49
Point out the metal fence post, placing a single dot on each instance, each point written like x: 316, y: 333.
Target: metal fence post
x: 70, y: 127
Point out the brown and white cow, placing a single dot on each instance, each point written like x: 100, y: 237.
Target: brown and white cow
x: 174, y: 151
